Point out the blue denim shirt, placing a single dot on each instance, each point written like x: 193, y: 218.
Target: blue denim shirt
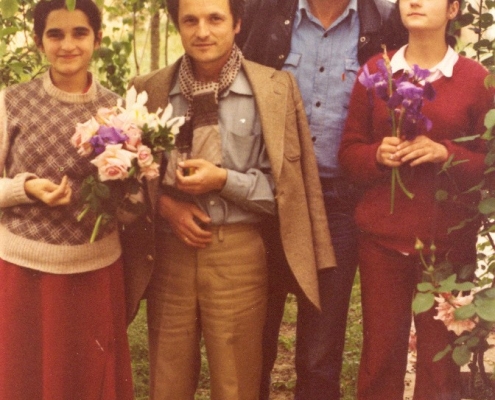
x: 325, y: 63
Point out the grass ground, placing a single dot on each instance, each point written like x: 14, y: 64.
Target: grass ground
x: 283, y: 376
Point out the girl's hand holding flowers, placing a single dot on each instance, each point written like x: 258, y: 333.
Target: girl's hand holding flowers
x: 421, y: 150
x: 386, y: 152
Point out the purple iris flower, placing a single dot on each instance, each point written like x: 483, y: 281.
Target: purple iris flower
x: 420, y: 74
x: 366, y: 79
x: 382, y: 67
x: 428, y: 91
x: 406, y: 99
x: 106, y: 135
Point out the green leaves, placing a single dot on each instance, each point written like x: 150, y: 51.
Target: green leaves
x: 486, y: 309
x: 423, y: 302
x: 487, y: 206
x: 8, y: 8
x: 461, y: 355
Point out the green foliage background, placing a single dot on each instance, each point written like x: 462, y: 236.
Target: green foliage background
x: 20, y: 61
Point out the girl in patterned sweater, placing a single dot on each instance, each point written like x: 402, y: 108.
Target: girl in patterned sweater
x: 62, y: 313
x: 389, y: 265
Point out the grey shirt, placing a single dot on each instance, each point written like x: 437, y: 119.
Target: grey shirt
x: 249, y: 190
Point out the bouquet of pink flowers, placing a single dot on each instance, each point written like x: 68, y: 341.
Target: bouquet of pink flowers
x: 124, y: 143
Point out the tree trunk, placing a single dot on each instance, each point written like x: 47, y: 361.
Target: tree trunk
x: 155, y: 40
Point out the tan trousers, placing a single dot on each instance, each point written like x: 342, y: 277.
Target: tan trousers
x: 219, y: 291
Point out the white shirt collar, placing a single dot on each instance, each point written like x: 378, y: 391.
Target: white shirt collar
x: 443, y: 68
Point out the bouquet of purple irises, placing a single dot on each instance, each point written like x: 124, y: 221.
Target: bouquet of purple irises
x: 403, y: 95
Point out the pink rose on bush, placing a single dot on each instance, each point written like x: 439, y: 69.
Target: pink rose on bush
x: 447, y: 304
x: 114, y: 163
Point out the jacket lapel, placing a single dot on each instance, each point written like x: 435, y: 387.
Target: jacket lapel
x: 271, y: 102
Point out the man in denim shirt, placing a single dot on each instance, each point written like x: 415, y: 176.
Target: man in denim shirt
x: 323, y: 43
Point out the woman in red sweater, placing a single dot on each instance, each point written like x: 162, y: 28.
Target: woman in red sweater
x: 389, y: 264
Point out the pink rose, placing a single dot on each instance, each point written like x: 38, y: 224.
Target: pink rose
x: 105, y: 115
x: 447, y: 304
x: 84, y: 132
x: 114, y: 163
x: 134, y: 137
x: 151, y: 172
x: 144, y: 156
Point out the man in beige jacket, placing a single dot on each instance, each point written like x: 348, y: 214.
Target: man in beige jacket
x: 254, y: 166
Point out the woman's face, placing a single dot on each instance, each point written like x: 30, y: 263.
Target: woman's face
x: 68, y: 42
x: 427, y: 15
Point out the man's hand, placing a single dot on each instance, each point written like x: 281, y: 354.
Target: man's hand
x: 206, y: 177
x: 182, y: 217
x: 48, y: 192
x: 421, y: 150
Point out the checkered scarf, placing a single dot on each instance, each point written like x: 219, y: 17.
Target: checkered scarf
x: 203, y: 110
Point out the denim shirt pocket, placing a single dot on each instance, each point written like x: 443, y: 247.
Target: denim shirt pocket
x: 292, y: 63
x: 243, y: 143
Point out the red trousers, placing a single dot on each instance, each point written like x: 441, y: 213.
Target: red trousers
x: 388, y: 282
x: 63, y: 336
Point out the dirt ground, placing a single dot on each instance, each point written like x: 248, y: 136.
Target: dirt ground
x: 283, y: 374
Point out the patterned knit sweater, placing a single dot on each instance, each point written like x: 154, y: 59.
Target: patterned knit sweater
x: 458, y: 110
x: 37, y: 121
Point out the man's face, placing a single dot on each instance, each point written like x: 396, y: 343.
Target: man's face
x: 207, y: 32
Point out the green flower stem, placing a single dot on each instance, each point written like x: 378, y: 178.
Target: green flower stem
x: 96, y: 229
x: 396, y: 178
x: 83, y: 213
x: 392, y: 191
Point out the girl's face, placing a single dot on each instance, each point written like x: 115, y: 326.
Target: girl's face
x: 68, y: 43
x: 427, y: 15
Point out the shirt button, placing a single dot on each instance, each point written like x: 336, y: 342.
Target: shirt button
x: 313, y: 138
x: 322, y: 69
x: 318, y: 104
x: 362, y: 39
x: 212, y: 202
x: 287, y: 22
x: 149, y: 257
x: 281, y: 57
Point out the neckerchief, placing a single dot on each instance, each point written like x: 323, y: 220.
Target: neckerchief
x: 202, y: 112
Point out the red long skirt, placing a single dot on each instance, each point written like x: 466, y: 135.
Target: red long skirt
x: 63, y: 337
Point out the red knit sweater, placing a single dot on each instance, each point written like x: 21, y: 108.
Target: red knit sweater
x: 458, y: 110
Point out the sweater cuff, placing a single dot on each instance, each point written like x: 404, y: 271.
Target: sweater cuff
x: 19, y: 195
